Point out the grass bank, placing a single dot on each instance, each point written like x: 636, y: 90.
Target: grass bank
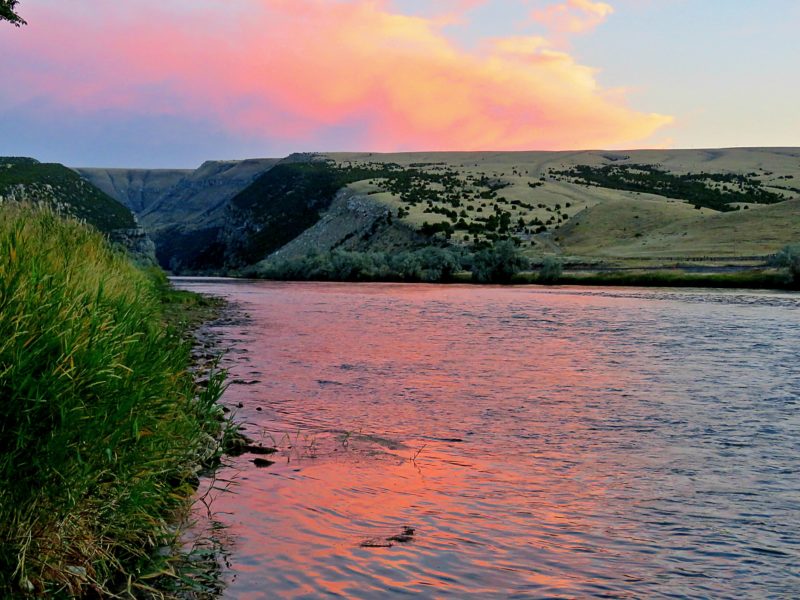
x: 102, y: 426
x: 769, y: 279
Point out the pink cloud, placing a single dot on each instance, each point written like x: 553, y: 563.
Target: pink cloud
x: 574, y: 16
x: 293, y: 69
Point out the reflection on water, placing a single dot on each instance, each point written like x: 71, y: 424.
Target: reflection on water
x: 540, y: 443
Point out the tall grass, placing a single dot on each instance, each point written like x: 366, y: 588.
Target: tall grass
x: 101, y: 423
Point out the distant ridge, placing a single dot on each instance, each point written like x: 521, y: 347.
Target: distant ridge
x: 608, y: 205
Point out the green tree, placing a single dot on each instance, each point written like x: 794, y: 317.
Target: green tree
x: 499, y: 263
x: 551, y: 270
x: 8, y: 12
x: 789, y: 259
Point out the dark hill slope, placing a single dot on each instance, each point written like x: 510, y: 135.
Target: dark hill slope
x: 183, y: 211
x: 187, y: 220
x: 292, y: 198
x: 201, y: 196
x: 26, y: 179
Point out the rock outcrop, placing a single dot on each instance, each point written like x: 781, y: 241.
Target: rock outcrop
x: 353, y: 222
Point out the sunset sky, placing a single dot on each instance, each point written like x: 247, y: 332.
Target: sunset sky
x: 155, y: 83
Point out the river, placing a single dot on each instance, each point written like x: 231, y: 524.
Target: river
x: 539, y: 442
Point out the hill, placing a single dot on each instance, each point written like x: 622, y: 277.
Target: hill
x: 542, y: 198
x: 137, y: 189
x: 63, y: 189
x: 52, y: 184
x: 613, y: 208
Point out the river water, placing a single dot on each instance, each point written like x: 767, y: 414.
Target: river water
x: 540, y: 442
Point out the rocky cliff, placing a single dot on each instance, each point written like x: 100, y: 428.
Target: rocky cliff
x: 353, y: 222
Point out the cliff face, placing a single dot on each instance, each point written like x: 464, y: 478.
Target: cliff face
x: 137, y: 243
x: 353, y: 222
x: 135, y: 188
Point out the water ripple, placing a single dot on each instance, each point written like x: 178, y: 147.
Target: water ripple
x: 541, y: 443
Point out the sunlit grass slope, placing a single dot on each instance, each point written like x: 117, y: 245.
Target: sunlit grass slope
x: 663, y: 229
x: 624, y: 205
x: 100, y: 422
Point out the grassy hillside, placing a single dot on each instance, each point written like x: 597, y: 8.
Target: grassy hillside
x: 64, y: 190
x: 612, y: 207
x: 101, y: 424
x: 626, y: 223
x: 623, y: 205
x: 640, y: 229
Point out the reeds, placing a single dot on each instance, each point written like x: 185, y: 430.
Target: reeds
x: 101, y: 423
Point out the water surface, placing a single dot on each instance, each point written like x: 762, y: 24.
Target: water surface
x: 542, y: 443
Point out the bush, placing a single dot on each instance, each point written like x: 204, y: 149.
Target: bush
x: 499, y: 263
x: 789, y: 259
x: 100, y: 421
x: 430, y: 264
x: 551, y: 270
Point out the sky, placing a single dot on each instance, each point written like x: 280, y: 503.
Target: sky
x: 171, y: 83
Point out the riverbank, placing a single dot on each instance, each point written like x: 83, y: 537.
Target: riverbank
x: 505, y: 263
x: 766, y: 279
x: 103, y: 427
x: 755, y: 279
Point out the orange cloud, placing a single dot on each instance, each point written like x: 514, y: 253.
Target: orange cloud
x: 294, y: 69
x: 574, y: 16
